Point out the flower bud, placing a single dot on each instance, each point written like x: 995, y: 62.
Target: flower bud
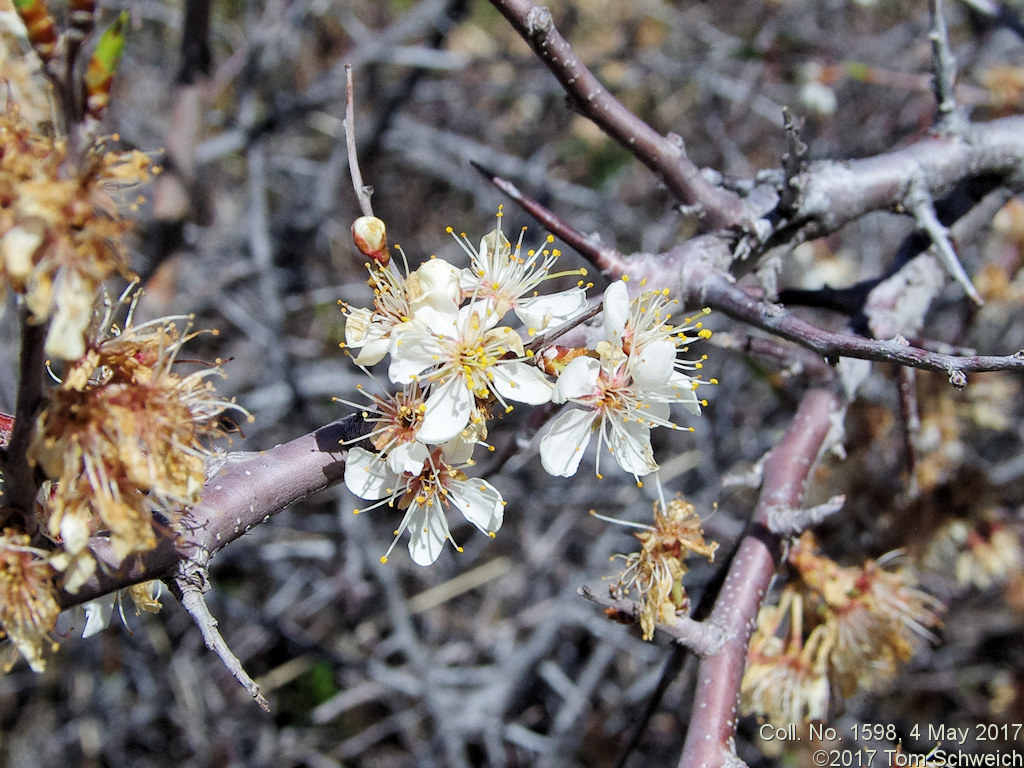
x: 371, y: 238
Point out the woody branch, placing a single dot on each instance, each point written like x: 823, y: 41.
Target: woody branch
x: 787, y: 468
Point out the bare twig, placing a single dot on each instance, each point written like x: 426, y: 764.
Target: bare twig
x: 950, y: 117
x: 919, y: 204
x: 786, y: 521
x: 189, y: 585
x: 834, y: 193
x: 695, y: 270
x: 664, y: 155
x: 704, y: 638
x: 910, y: 412
x: 709, y: 738
x: 606, y: 259
x: 362, y: 191
x: 720, y: 294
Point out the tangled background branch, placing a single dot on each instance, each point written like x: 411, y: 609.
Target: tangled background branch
x: 861, y: 250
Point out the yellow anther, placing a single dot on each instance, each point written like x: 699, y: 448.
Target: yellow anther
x: 383, y: 559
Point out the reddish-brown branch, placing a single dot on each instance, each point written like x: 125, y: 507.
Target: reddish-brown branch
x: 715, y: 707
x: 248, y: 489
x: 607, y: 259
x: 695, y: 272
x: 716, y: 291
x: 664, y: 155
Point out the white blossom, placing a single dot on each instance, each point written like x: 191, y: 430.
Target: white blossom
x: 396, y: 299
x: 421, y: 480
x: 625, y: 391
x: 507, y: 280
x: 465, y: 359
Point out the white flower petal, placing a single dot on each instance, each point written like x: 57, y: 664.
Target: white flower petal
x: 447, y: 412
x: 656, y: 411
x: 439, y: 317
x: 427, y: 309
x: 373, y: 351
x: 683, y: 392
x: 630, y: 443
x: 615, y: 311
x: 577, y: 380
x: 480, y: 503
x: 414, y: 349
x: 428, y: 530
x: 539, y: 312
x: 652, y: 365
x: 367, y: 476
x: 97, y: 614
x: 459, y: 449
x: 437, y: 277
x: 407, y: 457
x: 562, y: 448
x: 521, y: 382
x: 357, y: 326
x: 476, y: 318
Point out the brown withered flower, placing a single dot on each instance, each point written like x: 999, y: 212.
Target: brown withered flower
x: 834, y: 630
x: 61, y: 227
x: 656, y: 571
x: 123, y: 439
x: 28, y: 598
x: 879, y: 616
x: 787, y: 677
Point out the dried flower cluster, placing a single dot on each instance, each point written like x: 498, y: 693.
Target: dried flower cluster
x: 834, y: 630
x: 118, y: 447
x: 656, y: 571
x: 28, y: 597
x: 441, y: 327
x: 60, y: 227
x: 122, y: 439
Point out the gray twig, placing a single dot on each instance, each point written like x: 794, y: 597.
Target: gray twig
x: 950, y: 117
x: 919, y: 203
x: 190, y: 583
x: 362, y: 191
x: 787, y: 521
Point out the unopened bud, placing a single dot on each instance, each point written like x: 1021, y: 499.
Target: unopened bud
x: 371, y: 238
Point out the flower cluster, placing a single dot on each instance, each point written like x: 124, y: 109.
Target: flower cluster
x: 117, y: 449
x: 60, y: 232
x: 656, y: 571
x: 28, y: 597
x: 441, y: 326
x: 833, y: 627
x: 121, y: 440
